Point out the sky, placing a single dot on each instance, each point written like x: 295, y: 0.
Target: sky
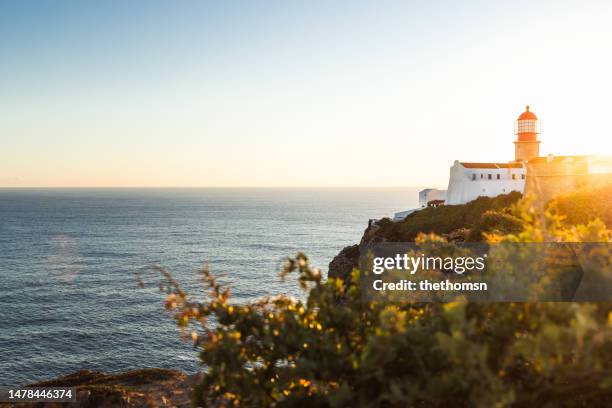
x: 288, y: 93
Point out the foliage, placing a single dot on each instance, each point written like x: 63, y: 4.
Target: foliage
x: 495, y: 222
x: 447, y: 218
x: 385, y: 222
x: 320, y: 352
x: 582, y: 206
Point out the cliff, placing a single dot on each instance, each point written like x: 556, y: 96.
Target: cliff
x: 468, y: 222
x: 465, y: 222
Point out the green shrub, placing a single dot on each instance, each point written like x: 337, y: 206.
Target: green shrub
x: 495, y: 222
x: 448, y: 218
x: 384, y: 222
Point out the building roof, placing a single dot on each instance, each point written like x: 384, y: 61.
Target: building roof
x: 491, y: 165
x: 479, y: 165
x: 509, y: 165
x: 527, y: 115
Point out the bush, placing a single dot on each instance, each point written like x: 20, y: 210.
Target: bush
x: 320, y: 352
x: 448, y: 218
x: 582, y: 206
x: 384, y: 222
x: 495, y: 222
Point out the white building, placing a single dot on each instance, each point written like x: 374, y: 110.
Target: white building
x: 398, y: 216
x: 468, y: 181
x: 431, y: 194
x: 428, y: 197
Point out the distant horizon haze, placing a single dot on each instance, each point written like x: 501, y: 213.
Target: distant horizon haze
x: 211, y: 187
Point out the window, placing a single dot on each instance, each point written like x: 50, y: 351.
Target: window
x: 481, y: 175
x: 490, y: 176
x: 498, y: 176
x: 513, y: 176
x: 474, y: 176
x: 527, y: 126
x: 522, y: 176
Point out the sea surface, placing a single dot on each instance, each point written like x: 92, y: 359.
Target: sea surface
x: 69, y: 295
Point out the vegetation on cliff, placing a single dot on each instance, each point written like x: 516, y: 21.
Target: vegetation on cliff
x: 492, y: 215
x: 445, y: 219
x: 318, y: 352
x: 582, y: 206
x: 473, y: 221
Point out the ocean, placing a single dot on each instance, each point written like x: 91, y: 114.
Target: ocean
x: 69, y: 298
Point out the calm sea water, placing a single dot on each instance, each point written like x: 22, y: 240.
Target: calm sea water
x: 69, y: 298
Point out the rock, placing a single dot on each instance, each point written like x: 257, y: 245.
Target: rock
x: 369, y: 234
x: 342, y: 265
x: 150, y: 387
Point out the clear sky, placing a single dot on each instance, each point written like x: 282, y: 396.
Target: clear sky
x: 288, y: 93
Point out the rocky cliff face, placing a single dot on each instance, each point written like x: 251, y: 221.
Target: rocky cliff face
x: 343, y: 263
x: 348, y: 258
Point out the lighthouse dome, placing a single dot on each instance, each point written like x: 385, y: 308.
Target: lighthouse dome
x: 527, y: 115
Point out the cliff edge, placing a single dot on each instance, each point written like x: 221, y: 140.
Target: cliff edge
x: 465, y: 222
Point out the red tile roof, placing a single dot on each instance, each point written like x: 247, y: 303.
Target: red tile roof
x: 509, y: 165
x: 491, y: 165
x: 479, y: 165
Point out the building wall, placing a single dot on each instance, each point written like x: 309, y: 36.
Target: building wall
x: 398, y: 216
x: 467, y: 184
x: 548, y: 179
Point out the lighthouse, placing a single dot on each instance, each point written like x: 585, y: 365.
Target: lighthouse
x: 527, y: 129
x: 540, y: 177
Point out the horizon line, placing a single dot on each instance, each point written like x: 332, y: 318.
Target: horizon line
x: 193, y: 187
